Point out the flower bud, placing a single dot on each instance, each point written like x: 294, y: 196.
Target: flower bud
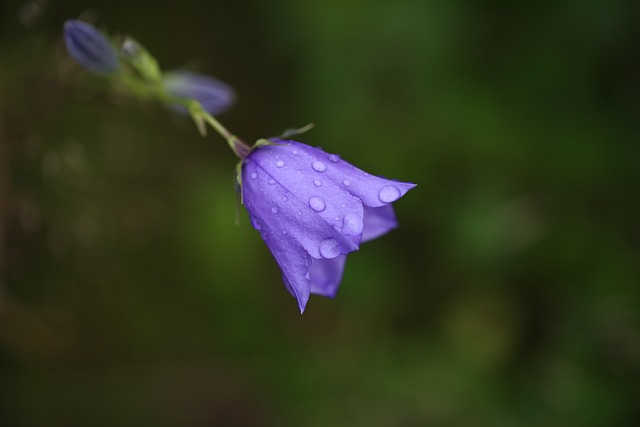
x: 90, y: 48
x: 214, y: 95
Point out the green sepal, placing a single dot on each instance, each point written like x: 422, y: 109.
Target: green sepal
x: 295, y: 131
x: 237, y: 181
x: 199, y: 116
x: 142, y: 61
x: 238, y: 176
x: 262, y: 142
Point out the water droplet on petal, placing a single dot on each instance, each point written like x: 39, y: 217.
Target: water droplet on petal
x: 274, y: 209
x: 307, y: 276
x: 295, y: 152
x: 285, y: 198
x: 329, y: 248
x: 256, y: 224
x: 333, y: 158
x: 337, y: 218
x: 279, y: 163
x: 343, y: 206
x: 317, y: 204
x: 317, y: 183
x: 254, y: 175
x: 272, y: 181
x: 299, y: 212
x: 346, y: 182
x: 353, y: 223
x: 318, y: 166
x: 389, y: 193
x: 284, y: 231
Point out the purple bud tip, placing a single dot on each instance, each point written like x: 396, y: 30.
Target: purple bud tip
x: 90, y: 48
x: 215, y: 96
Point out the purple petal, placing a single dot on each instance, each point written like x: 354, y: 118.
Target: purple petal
x: 214, y: 95
x: 297, y: 168
x: 312, y: 209
x: 292, y: 230
x: 294, y: 263
x: 373, y: 191
x: 326, y: 275
x: 89, y: 47
x: 271, y: 203
x: 378, y: 221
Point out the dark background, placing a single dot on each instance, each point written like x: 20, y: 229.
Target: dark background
x: 508, y: 296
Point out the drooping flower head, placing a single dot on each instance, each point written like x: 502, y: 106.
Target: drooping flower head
x: 215, y: 96
x: 312, y: 209
x: 90, y: 48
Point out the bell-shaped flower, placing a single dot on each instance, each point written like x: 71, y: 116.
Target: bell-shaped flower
x: 215, y: 96
x: 90, y: 48
x: 312, y: 209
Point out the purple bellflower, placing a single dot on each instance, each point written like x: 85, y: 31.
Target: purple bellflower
x: 312, y: 209
x: 90, y: 48
x: 214, y: 95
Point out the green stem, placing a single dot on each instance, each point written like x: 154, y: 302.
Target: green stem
x: 222, y: 131
x: 239, y: 147
x: 153, y: 89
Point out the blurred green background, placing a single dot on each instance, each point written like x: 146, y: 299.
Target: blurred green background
x: 509, y: 296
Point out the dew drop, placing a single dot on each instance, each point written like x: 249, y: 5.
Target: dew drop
x: 329, y: 248
x: 343, y: 206
x: 256, y: 224
x: 280, y: 163
x: 285, y: 198
x: 274, y: 209
x: 333, y: 158
x: 337, y: 218
x: 353, y: 223
x: 317, y: 204
x: 317, y: 183
x: 318, y: 166
x: 254, y: 175
x: 272, y: 181
x: 346, y: 182
x: 299, y: 212
x: 389, y: 193
x: 295, y: 152
x: 284, y: 231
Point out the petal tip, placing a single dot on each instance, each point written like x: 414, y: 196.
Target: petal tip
x: 302, y: 304
x: 409, y: 186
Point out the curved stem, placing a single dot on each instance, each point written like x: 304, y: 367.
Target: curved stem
x: 152, y: 89
x: 239, y: 147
